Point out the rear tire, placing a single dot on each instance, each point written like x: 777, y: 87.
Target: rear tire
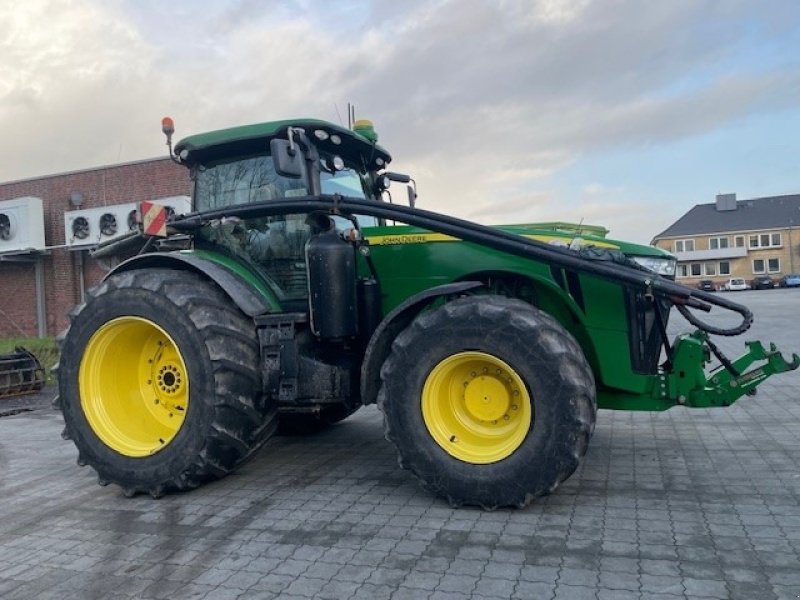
x: 488, y: 401
x: 159, y: 382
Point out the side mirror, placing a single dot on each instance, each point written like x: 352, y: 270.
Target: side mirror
x: 288, y: 160
x: 398, y: 177
x: 382, y: 184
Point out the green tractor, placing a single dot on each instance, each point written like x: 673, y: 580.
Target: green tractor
x: 291, y: 297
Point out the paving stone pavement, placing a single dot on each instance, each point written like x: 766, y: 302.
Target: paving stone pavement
x: 701, y: 504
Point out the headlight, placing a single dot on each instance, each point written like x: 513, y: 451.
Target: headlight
x: 662, y: 266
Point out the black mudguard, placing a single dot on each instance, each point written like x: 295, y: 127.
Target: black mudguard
x: 380, y: 344
x: 249, y: 300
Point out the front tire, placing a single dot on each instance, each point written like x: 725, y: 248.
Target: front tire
x: 159, y: 382
x: 488, y: 401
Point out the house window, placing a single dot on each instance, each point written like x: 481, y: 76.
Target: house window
x: 739, y: 241
x: 774, y: 265
x: 683, y: 271
x: 758, y: 265
x: 717, y: 243
x: 684, y: 245
x: 711, y: 269
x: 765, y: 240
x: 696, y: 269
x: 725, y: 267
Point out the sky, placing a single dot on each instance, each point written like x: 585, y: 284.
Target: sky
x: 622, y: 113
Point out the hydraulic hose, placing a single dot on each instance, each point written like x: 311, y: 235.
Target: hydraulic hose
x: 483, y: 235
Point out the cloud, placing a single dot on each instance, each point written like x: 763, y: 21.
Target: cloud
x: 75, y: 82
x: 482, y: 101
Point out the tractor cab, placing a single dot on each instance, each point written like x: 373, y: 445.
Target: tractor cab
x: 276, y: 161
x: 282, y: 159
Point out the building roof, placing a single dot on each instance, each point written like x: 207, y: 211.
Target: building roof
x: 140, y: 161
x: 750, y: 215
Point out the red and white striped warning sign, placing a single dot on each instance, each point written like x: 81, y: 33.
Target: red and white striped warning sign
x: 154, y: 219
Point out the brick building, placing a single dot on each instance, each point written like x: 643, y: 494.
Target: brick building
x: 735, y: 238
x: 41, y: 283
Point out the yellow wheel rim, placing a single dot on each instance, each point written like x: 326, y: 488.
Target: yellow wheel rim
x: 476, y: 407
x: 133, y: 386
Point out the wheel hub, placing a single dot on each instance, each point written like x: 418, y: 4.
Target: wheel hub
x: 487, y: 398
x: 476, y: 407
x: 133, y: 386
x: 169, y: 379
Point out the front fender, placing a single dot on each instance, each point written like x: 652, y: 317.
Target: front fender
x: 380, y: 344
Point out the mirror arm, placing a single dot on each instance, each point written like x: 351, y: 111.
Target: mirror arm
x: 412, y: 193
x: 311, y: 156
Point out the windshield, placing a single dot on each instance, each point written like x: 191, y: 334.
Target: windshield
x: 347, y: 182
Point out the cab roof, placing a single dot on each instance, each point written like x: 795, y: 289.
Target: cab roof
x: 203, y: 144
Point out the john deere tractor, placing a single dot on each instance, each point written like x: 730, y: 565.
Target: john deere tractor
x: 297, y: 292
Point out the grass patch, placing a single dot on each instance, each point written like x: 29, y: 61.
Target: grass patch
x: 45, y: 349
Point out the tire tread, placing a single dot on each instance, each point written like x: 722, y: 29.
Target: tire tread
x: 540, y: 327
x: 239, y: 426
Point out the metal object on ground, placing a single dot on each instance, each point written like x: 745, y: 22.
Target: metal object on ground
x: 20, y: 373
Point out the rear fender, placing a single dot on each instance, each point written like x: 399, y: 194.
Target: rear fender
x: 247, y: 298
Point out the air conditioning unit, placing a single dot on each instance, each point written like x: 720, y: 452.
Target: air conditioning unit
x: 176, y: 205
x: 180, y: 205
x: 21, y: 225
x: 91, y: 226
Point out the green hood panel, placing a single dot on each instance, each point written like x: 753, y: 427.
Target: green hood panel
x: 543, y: 232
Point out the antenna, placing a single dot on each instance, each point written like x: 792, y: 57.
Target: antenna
x: 351, y: 115
x: 338, y: 114
x: 576, y: 235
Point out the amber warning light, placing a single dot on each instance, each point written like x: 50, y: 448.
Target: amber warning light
x: 168, y: 127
